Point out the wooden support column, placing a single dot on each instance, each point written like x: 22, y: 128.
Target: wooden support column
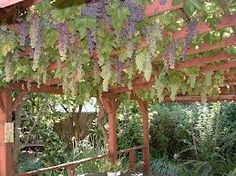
x: 146, y: 156
x: 6, y: 146
x: 111, y: 104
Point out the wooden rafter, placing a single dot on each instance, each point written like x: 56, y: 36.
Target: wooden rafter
x: 34, y: 88
x: 224, y: 5
x: 55, y: 81
x: 13, y: 10
x: 203, y: 48
x: 56, y: 65
x: 140, y: 83
x: 157, y: 8
x: 230, y: 77
x: 207, y: 47
x: 19, y: 99
x: 137, y: 84
x: 203, y: 60
x: 191, y: 99
x: 218, y: 67
x: 6, y: 3
x: 150, y: 10
x: 203, y: 27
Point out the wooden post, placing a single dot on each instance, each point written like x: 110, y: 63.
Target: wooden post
x: 6, y: 147
x: 71, y: 170
x: 131, y: 159
x: 111, y: 104
x: 146, y: 158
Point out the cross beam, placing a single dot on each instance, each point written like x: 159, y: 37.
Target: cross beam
x: 203, y: 27
x: 207, y: 47
x: 203, y: 60
x: 156, y: 7
x: 34, y: 88
x: 192, y: 99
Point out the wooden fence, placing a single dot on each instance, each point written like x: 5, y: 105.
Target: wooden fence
x: 71, y: 166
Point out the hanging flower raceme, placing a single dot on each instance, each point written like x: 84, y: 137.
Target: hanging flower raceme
x: 63, y: 39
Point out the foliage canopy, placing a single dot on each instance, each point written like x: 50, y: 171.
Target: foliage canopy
x: 98, y: 42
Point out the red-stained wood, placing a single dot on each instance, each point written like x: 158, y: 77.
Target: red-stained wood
x: 137, y: 84
x: 111, y: 104
x: 207, y: 47
x: 71, y: 170
x: 19, y: 99
x: 74, y: 163
x: 230, y: 77
x: 131, y: 159
x: 6, y: 3
x: 203, y: 61
x: 34, y: 88
x: 192, y: 99
x: 228, y: 90
x: 203, y: 27
x: 13, y: 10
x: 1, y: 106
x: 143, y: 106
x: 150, y: 10
x: 6, y: 149
x: 156, y: 8
x: 55, y: 81
x: 223, y: 66
x: 25, y: 53
x: 225, y: 22
x: 61, y: 166
x: 48, y: 82
x: 56, y: 65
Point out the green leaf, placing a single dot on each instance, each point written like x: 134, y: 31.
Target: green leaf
x: 6, y: 48
x: 190, y: 6
x: 118, y: 16
x: 176, y: 2
x: 50, y: 37
x: 84, y: 23
x: 67, y: 13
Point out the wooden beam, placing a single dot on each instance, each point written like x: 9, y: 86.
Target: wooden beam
x: 203, y: 60
x: 19, y: 99
x: 156, y: 7
x: 137, y: 84
x: 143, y: 106
x: 230, y: 77
x: 225, y: 6
x: 150, y: 10
x: 207, y: 47
x: 34, y: 88
x: 56, y: 65
x: 55, y: 81
x: 6, y: 147
x: 218, y: 67
x: 111, y: 104
x: 1, y: 106
x: 192, y: 99
x: 203, y: 27
x: 13, y: 10
x: 182, y: 14
x: 6, y: 3
x: 225, y: 22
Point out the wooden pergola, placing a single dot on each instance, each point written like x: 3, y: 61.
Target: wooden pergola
x: 110, y: 99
